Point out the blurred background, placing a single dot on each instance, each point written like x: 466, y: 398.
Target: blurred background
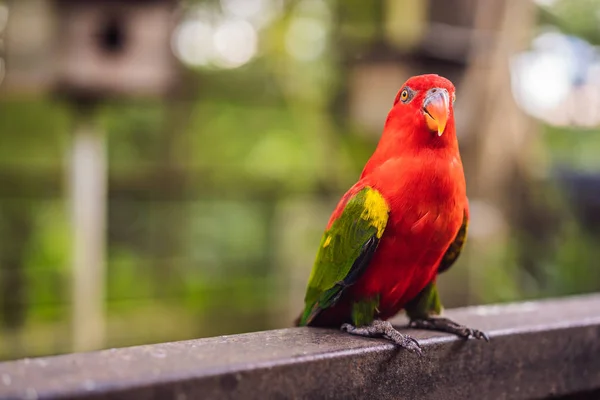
x: 167, y: 167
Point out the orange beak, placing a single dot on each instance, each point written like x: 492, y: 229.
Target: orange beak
x: 436, y: 108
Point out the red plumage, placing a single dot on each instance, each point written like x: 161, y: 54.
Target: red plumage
x: 420, y: 175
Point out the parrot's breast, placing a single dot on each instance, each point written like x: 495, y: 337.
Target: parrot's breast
x: 426, y: 212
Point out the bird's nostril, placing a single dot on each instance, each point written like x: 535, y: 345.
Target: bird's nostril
x: 433, y: 90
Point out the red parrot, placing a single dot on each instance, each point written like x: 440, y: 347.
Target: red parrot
x: 404, y: 222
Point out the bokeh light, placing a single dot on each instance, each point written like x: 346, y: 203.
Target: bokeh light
x: 306, y: 37
x: 258, y: 12
x: 235, y: 43
x: 207, y: 38
x: 192, y: 42
x: 557, y: 80
x: 245, y: 8
x: 541, y: 81
x: 545, y: 3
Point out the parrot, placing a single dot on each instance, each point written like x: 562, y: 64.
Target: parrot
x: 404, y: 222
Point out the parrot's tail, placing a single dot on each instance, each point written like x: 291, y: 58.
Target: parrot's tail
x: 297, y: 320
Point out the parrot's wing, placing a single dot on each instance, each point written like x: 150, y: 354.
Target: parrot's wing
x: 346, y: 249
x: 456, y: 246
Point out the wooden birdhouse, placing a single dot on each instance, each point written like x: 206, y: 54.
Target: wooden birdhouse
x: 92, y: 49
x: 113, y: 48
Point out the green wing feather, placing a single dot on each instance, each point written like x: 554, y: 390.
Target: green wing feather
x: 345, y: 251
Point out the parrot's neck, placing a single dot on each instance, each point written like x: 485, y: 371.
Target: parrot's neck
x: 418, y: 143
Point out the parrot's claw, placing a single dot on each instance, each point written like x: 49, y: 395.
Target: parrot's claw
x: 446, y: 325
x: 385, y: 329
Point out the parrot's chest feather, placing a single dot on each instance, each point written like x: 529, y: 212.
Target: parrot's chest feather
x: 429, y: 204
x: 426, y: 211
x: 430, y: 220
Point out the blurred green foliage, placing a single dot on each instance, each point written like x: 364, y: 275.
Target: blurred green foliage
x: 211, y: 191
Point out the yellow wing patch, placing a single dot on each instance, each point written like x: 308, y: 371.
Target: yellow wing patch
x: 345, y: 250
x: 376, y: 210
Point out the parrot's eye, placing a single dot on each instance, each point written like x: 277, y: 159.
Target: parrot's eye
x: 405, y: 95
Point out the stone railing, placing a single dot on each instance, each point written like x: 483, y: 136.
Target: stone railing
x: 545, y: 349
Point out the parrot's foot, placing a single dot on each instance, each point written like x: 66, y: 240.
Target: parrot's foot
x: 385, y: 329
x: 446, y: 325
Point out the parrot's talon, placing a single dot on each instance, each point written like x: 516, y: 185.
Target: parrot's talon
x: 385, y: 329
x: 449, y: 326
x: 480, y: 335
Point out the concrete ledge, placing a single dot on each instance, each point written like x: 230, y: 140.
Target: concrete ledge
x: 537, y: 350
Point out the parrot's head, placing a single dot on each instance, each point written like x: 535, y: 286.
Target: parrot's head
x: 424, y: 103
